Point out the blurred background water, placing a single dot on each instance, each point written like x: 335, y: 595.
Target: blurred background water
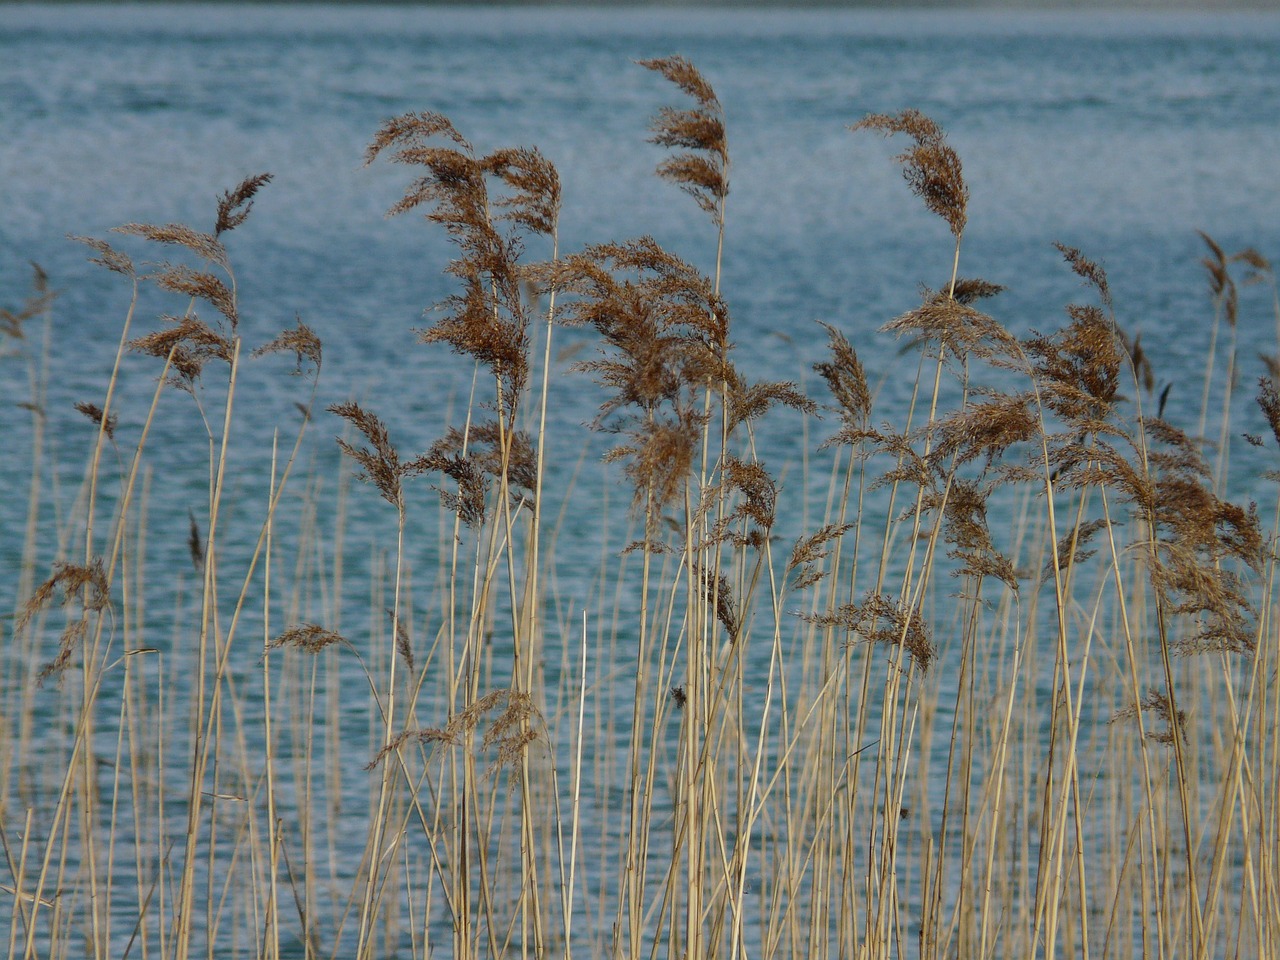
x: 1120, y: 134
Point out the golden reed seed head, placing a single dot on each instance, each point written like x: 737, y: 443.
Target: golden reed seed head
x: 845, y: 378
x: 931, y: 167
x: 94, y: 414
x: 309, y: 638
x: 12, y: 321
x: 704, y: 174
x: 1269, y: 401
x: 379, y: 462
x: 299, y: 340
x: 235, y: 204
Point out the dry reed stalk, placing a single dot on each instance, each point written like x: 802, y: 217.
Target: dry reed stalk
x: 489, y: 322
x: 933, y: 171
x: 193, y: 345
x: 15, y: 326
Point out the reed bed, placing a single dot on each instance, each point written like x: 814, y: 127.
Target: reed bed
x: 1010, y: 693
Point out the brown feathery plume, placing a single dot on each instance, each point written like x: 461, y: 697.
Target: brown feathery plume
x: 394, y: 744
x: 667, y: 328
x: 1081, y: 460
x: 468, y: 502
x: 203, y: 245
x: 309, y: 638
x: 234, y: 206
x: 71, y: 638
x: 11, y: 321
x: 409, y: 132
x: 655, y: 547
x: 959, y: 328
x: 1094, y: 275
x: 200, y: 285
x: 1269, y: 401
x: 535, y: 183
x: 666, y: 339
x: 879, y: 618
x: 86, y: 583
x: 1199, y: 538
x: 508, y: 734
x: 846, y: 379
x: 517, y: 708
x: 1087, y: 270
x: 94, y: 413
x: 379, y: 462
x: 511, y: 752
x: 931, y: 167
x: 1079, y: 368
x: 1157, y: 703
x: 464, y: 721
x: 986, y: 428
x: 195, y: 543
x: 972, y: 328
x: 1138, y: 359
x: 910, y: 467
x: 659, y: 458
x: 749, y: 402
x: 489, y: 319
x: 477, y: 330
x: 1213, y: 598
x: 484, y: 445
x: 703, y: 175
x: 469, y: 717
x: 188, y: 344
x: 716, y: 590
x: 435, y: 735
x: 403, y: 645
x: 302, y: 342
x: 971, y: 290
x: 759, y: 494
x: 965, y: 527
x: 108, y: 256
x: 1073, y: 548
x: 1224, y: 289
x: 809, y: 552
x: 1259, y: 266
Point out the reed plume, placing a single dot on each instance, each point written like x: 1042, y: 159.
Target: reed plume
x: 489, y: 319
x: 704, y: 173
x: 13, y: 322
x: 930, y: 166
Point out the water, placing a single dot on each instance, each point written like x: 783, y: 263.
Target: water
x: 1119, y: 134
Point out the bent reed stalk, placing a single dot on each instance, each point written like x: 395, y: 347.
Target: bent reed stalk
x: 1013, y: 694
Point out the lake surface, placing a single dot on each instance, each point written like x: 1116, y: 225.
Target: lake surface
x: 1119, y: 134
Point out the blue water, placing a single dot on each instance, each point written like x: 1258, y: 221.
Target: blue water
x: 1119, y: 134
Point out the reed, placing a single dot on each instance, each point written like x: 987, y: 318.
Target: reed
x: 992, y: 674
